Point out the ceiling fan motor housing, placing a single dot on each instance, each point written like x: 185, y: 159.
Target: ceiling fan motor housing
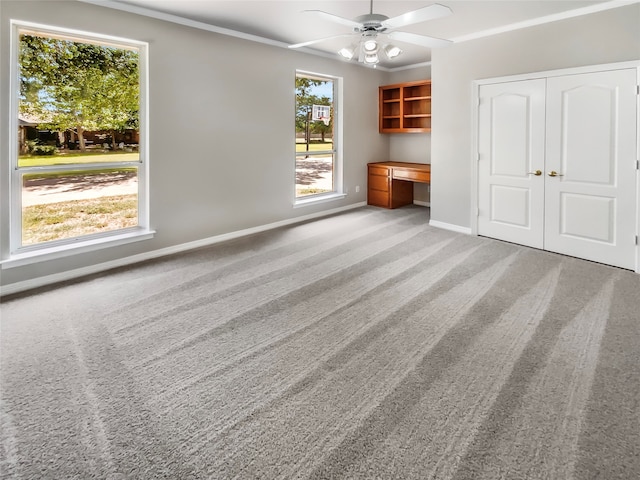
x: 370, y: 21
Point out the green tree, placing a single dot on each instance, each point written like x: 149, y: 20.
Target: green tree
x: 304, y: 104
x: 322, y: 128
x: 79, y: 86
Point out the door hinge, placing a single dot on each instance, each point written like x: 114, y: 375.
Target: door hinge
x: 637, y: 89
x: 637, y: 164
x: 636, y: 239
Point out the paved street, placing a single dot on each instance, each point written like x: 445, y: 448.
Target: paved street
x: 312, y: 173
x: 43, y: 192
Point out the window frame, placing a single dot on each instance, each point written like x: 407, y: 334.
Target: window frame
x: 336, y: 151
x: 19, y: 254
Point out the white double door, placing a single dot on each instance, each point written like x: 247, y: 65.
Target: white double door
x: 557, y: 164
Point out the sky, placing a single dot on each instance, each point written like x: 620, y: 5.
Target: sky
x: 324, y: 90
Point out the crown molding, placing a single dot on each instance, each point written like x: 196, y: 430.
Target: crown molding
x: 578, y: 12
x: 409, y: 67
x: 168, y: 17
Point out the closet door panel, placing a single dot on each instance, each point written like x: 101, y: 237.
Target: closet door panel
x: 590, y: 191
x: 511, y: 148
x: 588, y: 131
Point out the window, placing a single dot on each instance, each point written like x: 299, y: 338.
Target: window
x: 318, y: 167
x: 79, y: 152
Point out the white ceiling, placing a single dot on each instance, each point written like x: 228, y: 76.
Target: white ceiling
x: 284, y: 22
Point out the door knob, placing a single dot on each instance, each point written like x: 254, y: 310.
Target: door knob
x: 553, y: 173
x: 537, y: 173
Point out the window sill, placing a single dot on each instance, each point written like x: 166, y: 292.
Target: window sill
x: 75, y: 248
x: 303, y: 202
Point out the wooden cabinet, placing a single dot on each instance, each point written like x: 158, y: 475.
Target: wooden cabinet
x: 405, y: 107
x: 390, y: 184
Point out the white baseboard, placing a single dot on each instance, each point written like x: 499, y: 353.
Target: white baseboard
x: 450, y: 226
x: 421, y: 203
x: 18, y: 287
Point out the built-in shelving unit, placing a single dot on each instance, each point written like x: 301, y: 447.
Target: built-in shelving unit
x: 405, y: 107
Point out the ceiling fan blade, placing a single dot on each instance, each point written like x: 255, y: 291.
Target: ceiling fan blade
x: 311, y: 42
x: 335, y: 18
x: 416, y: 16
x: 422, y: 40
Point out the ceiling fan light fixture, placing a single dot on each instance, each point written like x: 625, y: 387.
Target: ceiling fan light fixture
x: 391, y: 51
x: 371, y: 58
x: 370, y: 46
x: 347, y: 52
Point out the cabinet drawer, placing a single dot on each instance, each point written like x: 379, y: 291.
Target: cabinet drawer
x: 384, y: 171
x: 376, y: 182
x: 378, y: 198
x: 412, y: 175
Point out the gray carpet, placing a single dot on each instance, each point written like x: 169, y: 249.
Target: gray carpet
x: 365, y: 345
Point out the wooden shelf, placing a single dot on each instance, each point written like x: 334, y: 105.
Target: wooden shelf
x: 405, y: 107
x: 414, y: 99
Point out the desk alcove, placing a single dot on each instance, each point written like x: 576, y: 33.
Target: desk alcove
x: 390, y: 184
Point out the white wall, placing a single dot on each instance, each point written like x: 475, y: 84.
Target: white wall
x: 606, y: 37
x: 217, y: 164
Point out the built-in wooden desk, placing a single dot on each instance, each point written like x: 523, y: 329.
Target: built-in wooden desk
x: 390, y: 184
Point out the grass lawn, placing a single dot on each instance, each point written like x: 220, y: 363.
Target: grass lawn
x: 77, y: 158
x: 314, y: 146
x: 56, y: 221
x: 70, y: 158
x: 34, y: 177
x: 301, y: 192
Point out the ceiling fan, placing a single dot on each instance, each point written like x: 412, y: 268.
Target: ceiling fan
x: 372, y: 25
